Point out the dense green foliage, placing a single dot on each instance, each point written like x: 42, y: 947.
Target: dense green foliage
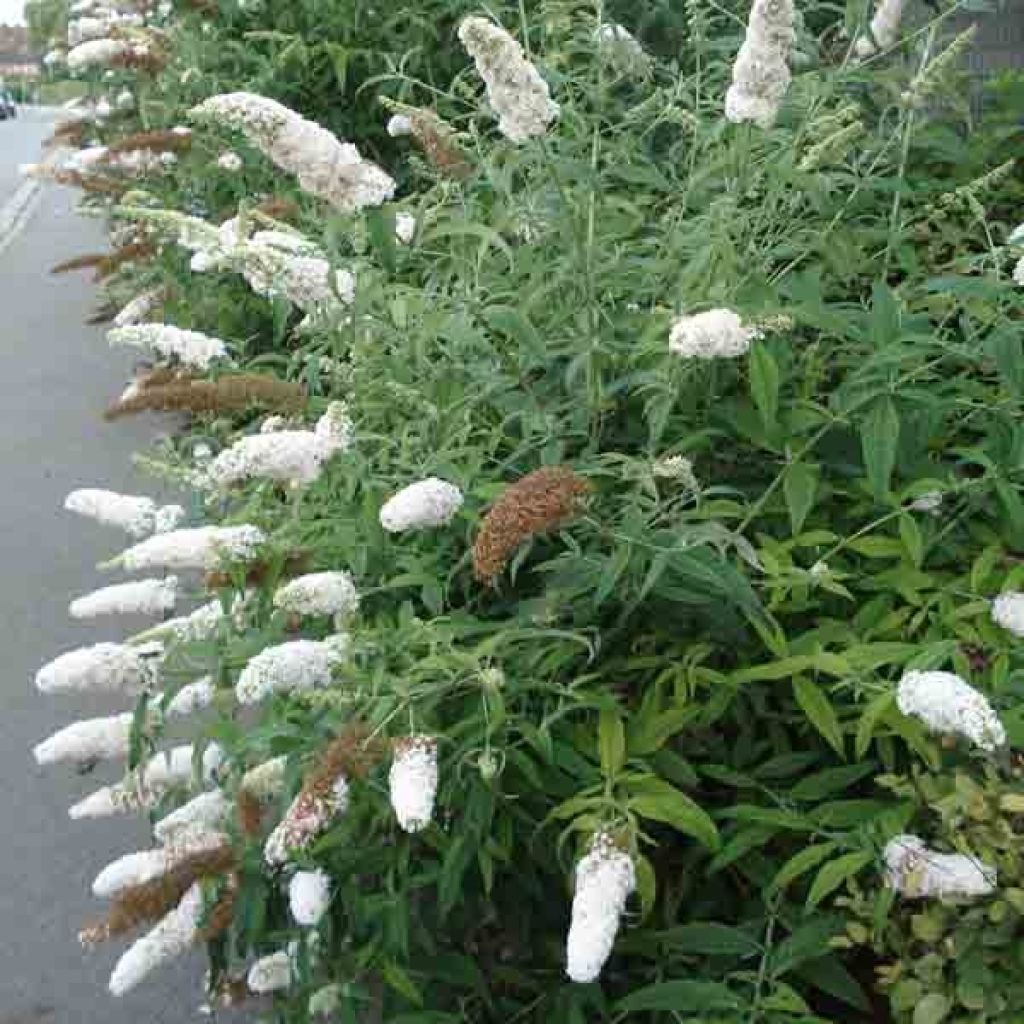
x: 707, y: 668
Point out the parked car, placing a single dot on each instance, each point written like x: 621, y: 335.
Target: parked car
x: 7, y: 107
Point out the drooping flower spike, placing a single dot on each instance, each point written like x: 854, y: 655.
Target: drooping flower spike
x: 605, y: 877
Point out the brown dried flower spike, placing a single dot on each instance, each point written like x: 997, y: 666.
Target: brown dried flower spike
x: 540, y: 502
x: 235, y: 392
x: 148, y: 901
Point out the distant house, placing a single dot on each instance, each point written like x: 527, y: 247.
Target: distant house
x: 16, y: 57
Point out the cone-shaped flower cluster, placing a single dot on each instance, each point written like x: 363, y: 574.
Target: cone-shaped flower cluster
x: 884, y: 29
x: 605, y: 877
x: 144, y: 788
x: 308, y: 817
x: 137, y: 516
x: 324, y: 166
x: 515, y: 89
x: 294, y: 665
x: 761, y: 74
x: 93, y: 739
x: 309, y: 894
x: 140, y: 597
x: 171, y: 937
x: 133, y: 869
x: 421, y: 506
x: 203, y: 547
x: 105, y: 667
x: 190, y: 348
x: 286, y: 456
x: 716, y: 334
x: 319, y: 593
x: 916, y: 872
x: 1008, y: 612
x: 207, y: 812
x: 947, y: 704
x: 413, y: 781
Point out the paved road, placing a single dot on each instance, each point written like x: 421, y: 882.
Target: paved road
x: 57, y: 377
x: 20, y: 140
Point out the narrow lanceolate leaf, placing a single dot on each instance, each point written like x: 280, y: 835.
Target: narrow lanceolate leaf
x: 819, y: 712
x: 802, y: 862
x: 800, y: 485
x: 764, y: 383
x: 679, y: 997
x: 656, y: 800
x: 879, y: 435
x: 834, y: 873
x: 612, y: 743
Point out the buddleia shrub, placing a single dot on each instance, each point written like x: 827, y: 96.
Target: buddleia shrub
x: 665, y: 468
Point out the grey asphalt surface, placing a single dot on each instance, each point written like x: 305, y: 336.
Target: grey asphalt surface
x: 20, y: 140
x: 58, y: 376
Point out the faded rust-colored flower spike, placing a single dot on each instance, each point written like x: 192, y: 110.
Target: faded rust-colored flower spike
x: 134, y: 252
x: 540, y: 502
x: 258, y: 573
x: 94, y: 184
x: 219, y: 919
x: 148, y: 61
x: 157, y: 142
x: 249, y: 812
x: 352, y: 753
x: 279, y: 208
x: 70, y: 133
x: 86, y: 262
x: 434, y: 136
x: 141, y: 904
x: 230, y: 393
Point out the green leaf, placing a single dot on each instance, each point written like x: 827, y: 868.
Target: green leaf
x: 819, y: 712
x: 932, y: 1009
x: 764, y: 383
x: 800, y: 485
x: 679, y: 997
x: 657, y: 800
x: 830, y: 780
x: 401, y: 982
x: 646, y: 884
x: 834, y: 873
x: 879, y: 435
x: 612, y: 742
x: 869, y: 720
x: 808, y: 942
x: 711, y: 939
x: 801, y: 862
x: 1004, y: 346
x: 380, y: 225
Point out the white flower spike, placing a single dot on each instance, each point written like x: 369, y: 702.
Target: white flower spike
x: 140, y: 597
x: 105, y: 667
x: 325, y: 166
x: 1008, y: 612
x: 413, y: 781
x: 421, y: 506
x: 172, y: 936
x: 716, y: 334
x: 203, y: 547
x: 294, y: 665
x: 309, y: 895
x: 947, y: 704
x: 137, y: 516
x: 604, y: 879
x: 515, y: 89
x: 190, y: 348
x: 916, y: 872
x: 319, y: 593
x: 761, y: 73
